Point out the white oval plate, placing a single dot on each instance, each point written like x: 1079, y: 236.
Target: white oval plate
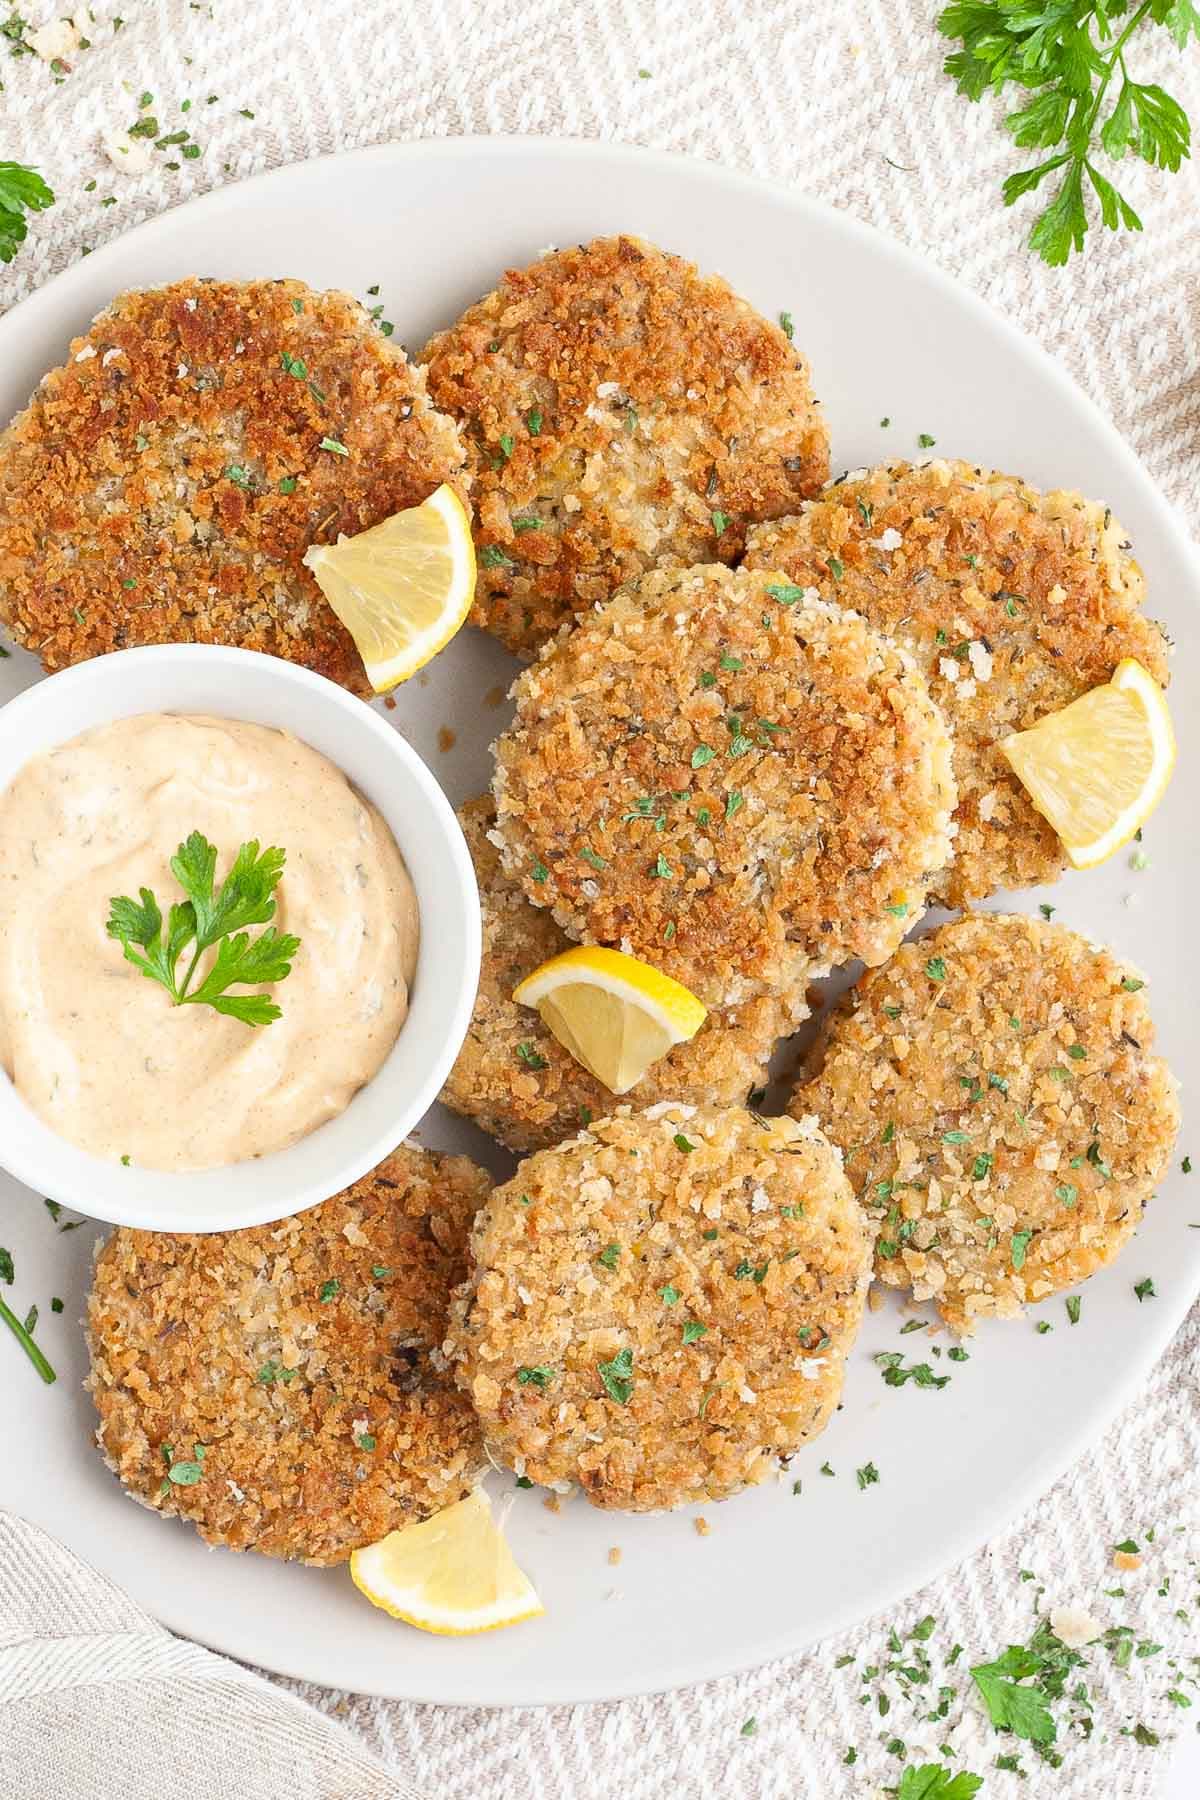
x: 432, y: 224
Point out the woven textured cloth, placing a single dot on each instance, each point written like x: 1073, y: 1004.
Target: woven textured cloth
x: 844, y: 99
x: 97, y: 1702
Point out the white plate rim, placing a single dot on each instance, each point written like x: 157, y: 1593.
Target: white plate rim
x: 1156, y: 1331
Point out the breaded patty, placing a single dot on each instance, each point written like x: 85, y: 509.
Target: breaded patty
x: 1003, y: 1120
x: 292, y: 1374
x: 620, y: 411
x: 514, y: 1078
x: 742, y: 785
x: 1013, y: 603
x: 163, y: 485
x: 663, y: 1305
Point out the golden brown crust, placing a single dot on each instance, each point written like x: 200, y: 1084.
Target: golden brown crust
x: 120, y: 523
x: 621, y: 1240
x: 742, y: 791
x: 514, y: 1078
x: 1013, y: 603
x: 192, y: 1340
x: 1003, y: 1119
x: 621, y: 411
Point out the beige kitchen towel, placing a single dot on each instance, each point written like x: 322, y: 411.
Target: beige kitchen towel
x: 97, y: 1702
x: 845, y: 100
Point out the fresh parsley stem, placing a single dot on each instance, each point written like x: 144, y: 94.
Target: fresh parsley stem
x: 1116, y: 56
x: 181, y: 993
x: 27, y: 1344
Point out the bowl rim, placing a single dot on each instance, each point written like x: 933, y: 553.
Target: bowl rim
x: 200, y: 1201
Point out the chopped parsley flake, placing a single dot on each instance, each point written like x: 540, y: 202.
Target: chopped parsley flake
x: 1073, y: 1304
x: 786, y: 326
x: 590, y: 857
x: 692, y: 1330
x: 610, y: 1255
x: 531, y: 1057
x: 702, y: 755
x: 684, y: 1144
x: 333, y: 445
x: 617, y: 1377
x: 1020, y: 1243
x: 1145, y: 1289
x: 669, y: 1294
x: 540, y: 1375
x: 935, y: 968
x: 867, y: 1476
x: 925, y: 441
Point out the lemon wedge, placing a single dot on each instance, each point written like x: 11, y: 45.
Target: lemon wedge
x: 1098, y: 768
x: 453, y: 1574
x: 614, y: 1014
x: 403, y: 588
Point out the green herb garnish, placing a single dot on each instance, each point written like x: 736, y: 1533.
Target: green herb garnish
x: 24, y: 1332
x: 22, y: 191
x: 206, y: 919
x: 1064, y: 56
x: 539, y: 1376
x: 617, y: 1377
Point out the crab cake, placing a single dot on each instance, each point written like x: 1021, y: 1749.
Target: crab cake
x: 164, y: 484
x: 284, y: 1387
x: 1003, y: 1119
x: 663, y: 1305
x: 621, y: 411
x: 514, y: 1078
x: 1013, y: 603
x: 741, y: 784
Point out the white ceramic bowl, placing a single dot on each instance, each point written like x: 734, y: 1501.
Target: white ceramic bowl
x: 238, y: 684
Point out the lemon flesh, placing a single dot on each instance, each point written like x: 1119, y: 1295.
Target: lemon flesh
x: 453, y: 1574
x: 403, y: 588
x: 1098, y: 768
x: 615, y: 1014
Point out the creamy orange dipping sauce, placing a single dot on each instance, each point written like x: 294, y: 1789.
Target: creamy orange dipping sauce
x: 98, y: 1049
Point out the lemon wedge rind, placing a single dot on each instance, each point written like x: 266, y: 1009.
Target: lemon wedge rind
x: 453, y: 1575
x: 1096, y: 769
x: 403, y: 588
x: 615, y: 1014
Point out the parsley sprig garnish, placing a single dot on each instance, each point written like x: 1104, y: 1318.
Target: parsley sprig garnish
x: 205, y: 919
x: 22, y: 190
x: 1080, y: 99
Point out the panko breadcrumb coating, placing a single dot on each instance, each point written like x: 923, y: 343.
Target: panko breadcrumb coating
x: 663, y: 1306
x: 295, y: 1367
x: 1013, y: 603
x: 740, y: 784
x: 620, y: 411
x: 514, y: 1078
x: 1003, y: 1120
x: 164, y: 484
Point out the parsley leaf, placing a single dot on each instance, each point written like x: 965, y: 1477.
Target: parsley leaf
x: 617, y: 1377
x: 1064, y: 56
x: 1012, y: 1706
x: 933, y: 1781
x: 22, y: 190
x: 205, y: 919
